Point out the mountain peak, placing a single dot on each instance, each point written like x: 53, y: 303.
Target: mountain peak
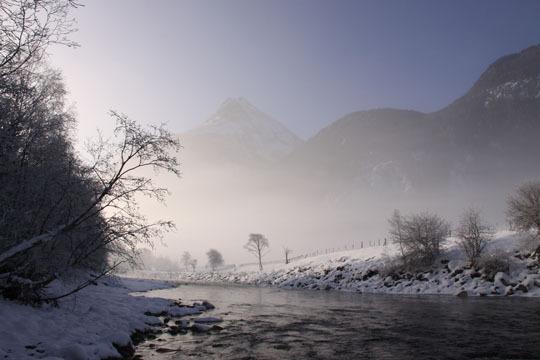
x: 249, y: 127
x: 237, y: 102
x: 235, y: 109
x: 507, y: 71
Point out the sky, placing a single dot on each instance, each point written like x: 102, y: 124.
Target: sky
x: 306, y: 63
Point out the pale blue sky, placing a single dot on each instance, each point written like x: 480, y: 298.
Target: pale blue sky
x: 304, y: 62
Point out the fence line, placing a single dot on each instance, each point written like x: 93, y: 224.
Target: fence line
x: 172, y: 275
x: 352, y: 246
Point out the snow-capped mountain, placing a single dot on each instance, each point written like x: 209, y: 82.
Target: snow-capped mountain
x: 239, y: 130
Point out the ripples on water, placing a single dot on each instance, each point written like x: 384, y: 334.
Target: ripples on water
x: 267, y: 323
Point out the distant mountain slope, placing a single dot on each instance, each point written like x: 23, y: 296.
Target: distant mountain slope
x: 496, y: 124
x: 493, y: 130
x: 238, y: 132
x: 364, y: 148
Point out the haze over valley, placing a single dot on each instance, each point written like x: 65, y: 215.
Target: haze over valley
x: 270, y: 179
x: 244, y: 171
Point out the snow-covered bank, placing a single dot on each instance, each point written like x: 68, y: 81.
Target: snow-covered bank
x: 368, y: 270
x: 86, y: 325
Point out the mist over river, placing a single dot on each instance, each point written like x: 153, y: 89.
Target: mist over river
x: 270, y: 323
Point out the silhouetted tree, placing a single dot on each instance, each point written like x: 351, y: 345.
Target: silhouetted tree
x: 193, y: 264
x: 287, y: 252
x: 44, y: 185
x: 257, y: 245
x: 59, y: 212
x: 215, y: 259
x: 104, y: 221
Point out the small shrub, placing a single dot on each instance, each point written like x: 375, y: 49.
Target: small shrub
x: 524, y: 211
x: 494, y: 263
x: 391, y: 266
x: 473, y: 234
x: 419, y: 237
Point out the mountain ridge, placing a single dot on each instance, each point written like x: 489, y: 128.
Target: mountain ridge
x: 474, y: 137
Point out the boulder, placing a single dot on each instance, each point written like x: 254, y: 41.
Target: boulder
x: 166, y: 350
x: 501, y: 279
x: 369, y: 273
x: 200, y: 328
x: 462, y: 294
x: 208, y: 305
x: 207, y: 320
x: 456, y: 272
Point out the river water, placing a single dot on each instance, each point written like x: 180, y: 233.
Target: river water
x: 270, y: 323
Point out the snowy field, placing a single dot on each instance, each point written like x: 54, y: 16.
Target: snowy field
x: 85, y: 325
x: 366, y: 270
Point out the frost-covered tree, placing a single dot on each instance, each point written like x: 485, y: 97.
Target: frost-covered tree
x: 28, y: 27
x: 523, y: 210
x: 420, y: 236
x: 88, y: 210
x: 215, y: 259
x: 59, y: 213
x: 257, y: 245
x: 474, y: 234
x: 43, y: 185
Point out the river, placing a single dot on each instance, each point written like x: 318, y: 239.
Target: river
x: 270, y: 323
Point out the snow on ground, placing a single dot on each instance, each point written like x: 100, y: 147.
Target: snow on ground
x: 85, y: 325
x: 367, y: 270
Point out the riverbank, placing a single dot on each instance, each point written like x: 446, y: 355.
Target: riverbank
x: 373, y: 270
x: 98, y: 322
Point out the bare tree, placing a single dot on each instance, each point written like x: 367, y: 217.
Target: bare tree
x: 257, y: 245
x: 396, y: 231
x: 28, y: 27
x: 186, y: 260
x: 193, y: 264
x: 473, y: 234
x: 215, y: 259
x: 420, y: 237
x: 524, y: 210
x: 287, y: 252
